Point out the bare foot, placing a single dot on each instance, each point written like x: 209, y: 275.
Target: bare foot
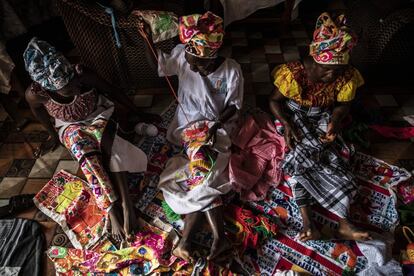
x: 309, y: 232
x: 219, y: 247
x: 183, y: 251
x: 348, y: 231
x: 116, y: 227
x: 130, y: 221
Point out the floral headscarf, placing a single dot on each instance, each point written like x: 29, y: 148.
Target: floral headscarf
x: 203, y: 34
x: 332, y: 40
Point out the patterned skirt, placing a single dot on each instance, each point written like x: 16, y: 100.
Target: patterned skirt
x: 320, y: 172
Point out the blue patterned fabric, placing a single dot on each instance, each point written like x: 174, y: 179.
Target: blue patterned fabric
x: 46, y: 65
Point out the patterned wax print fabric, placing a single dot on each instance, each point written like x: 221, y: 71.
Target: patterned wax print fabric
x: 332, y: 40
x: 149, y: 252
x: 84, y: 142
x: 203, y: 34
x: 46, y: 65
x: 320, y: 171
x: 69, y: 201
x: 374, y: 208
x: 163, y: 24
x: 196, y: 181
x: 291, y: 80
x: 200, y: 153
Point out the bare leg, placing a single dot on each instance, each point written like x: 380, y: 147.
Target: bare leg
x: 115, y: 217
x: 309, y: 231
x: 123, y: 217
x: 220, y: 242
x: 119, y: 179
x: 348, y: 231
x: 183, y: 249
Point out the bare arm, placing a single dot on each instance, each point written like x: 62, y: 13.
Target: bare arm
x: 227, y: 114
x: 223, y: 118
x: 340, y: 112
x: 36, y: 105
x: 277, y: 103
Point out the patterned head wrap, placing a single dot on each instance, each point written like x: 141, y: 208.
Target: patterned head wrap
x: 46, y: 65
x: 202, y: 33
x: 332, y: 40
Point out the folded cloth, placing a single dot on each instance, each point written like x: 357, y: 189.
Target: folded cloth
x: 163, y: 24
x: 256, y: 166
x: 69, y: 201
x: 21, y: 247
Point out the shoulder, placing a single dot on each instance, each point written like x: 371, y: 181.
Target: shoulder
x: 285, y: 79
x: 356, y: 76
x: 35, y: 94
x: 178, y: 51
x: 347, y: 87
x: 233, y: 68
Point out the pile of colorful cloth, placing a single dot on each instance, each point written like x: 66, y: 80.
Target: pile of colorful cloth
x: 264, y: 233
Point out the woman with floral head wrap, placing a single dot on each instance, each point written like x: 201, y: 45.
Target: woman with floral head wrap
x: 73, y: 105
x: 210, y: 92
x: 310, y: 101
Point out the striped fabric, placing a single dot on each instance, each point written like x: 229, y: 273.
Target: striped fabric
x: 21, y: 247
x: 320, y: 172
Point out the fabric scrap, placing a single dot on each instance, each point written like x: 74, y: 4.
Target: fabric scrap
x: 69, y: 201
x: 255, y: 167
x: 21, y: 247
x: 163, y: 24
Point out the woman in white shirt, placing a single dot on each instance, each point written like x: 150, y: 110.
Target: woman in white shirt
x: 210, y: 90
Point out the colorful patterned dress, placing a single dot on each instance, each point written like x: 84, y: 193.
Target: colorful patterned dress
x: 80, y: 125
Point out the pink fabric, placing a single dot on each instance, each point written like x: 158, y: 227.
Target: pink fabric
x: 394, y: 132
x: 255, y: 166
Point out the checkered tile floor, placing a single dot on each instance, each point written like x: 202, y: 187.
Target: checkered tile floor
x: 258, y: 50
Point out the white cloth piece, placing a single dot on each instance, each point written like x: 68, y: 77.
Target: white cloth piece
x: 409, y: 119
x: 125, y: 157
x: 202, y: 98
x: 9, y: 271
x: 391, y: 268
x: 378, y: 252
x: 239, y: 9
x: 172, y: 180
x: 286, y: 273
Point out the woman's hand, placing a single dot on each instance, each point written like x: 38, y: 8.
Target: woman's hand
x: 212, y: 133
x: 49, y: 146
x: 331, y: 132
x: 291, y: 135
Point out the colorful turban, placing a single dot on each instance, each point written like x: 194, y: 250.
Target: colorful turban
x: 332, y: 41
x: 46, y: 65
x: 202, y: 33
